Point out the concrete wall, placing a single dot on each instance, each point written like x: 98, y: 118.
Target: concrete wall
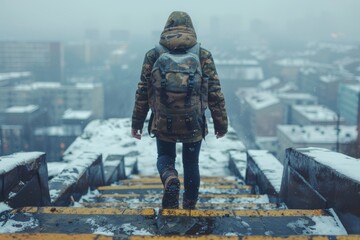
x: 308, y: 183
x: 24, y: 180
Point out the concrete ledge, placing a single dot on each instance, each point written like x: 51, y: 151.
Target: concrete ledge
x: 114, y: 168
x: 237, y: 163
x: 316, y: 177
x: 24, y: 179
x: 74, y: 181
x: 265, y: 172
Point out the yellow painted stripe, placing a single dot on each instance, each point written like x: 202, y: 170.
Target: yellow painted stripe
x: 88, y: 211
x: 195, y: 213
x: 141, y: 187
x: 244, y: 213
x: 134, y: 195
x: 350, y: 237
x: 280, y: 213
x: 157, y: 180
x: 52, y: 236
x: 199, y: 205
x: 208, y: 237
x: 285, y: 238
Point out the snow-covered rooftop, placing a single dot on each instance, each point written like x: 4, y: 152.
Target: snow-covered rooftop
x: 58, y: 131
x: 22, y: 109
x: 353, y: 87
x: 341, y: 163
x: 239, y: 62
x: 76, y: 114
x: 329, y: 78
x: 268, y: 83
x: 316, y: 113
x: 13, y: 75
x: 297, y: 95
x: 113, y: 136
x: 38, y: 85
x: 261, y: 100
x: 319, y: 134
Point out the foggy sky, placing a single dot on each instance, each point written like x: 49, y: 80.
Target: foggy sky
x: 67, y: 19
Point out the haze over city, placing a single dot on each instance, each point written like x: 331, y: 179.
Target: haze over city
x: 67, y: 20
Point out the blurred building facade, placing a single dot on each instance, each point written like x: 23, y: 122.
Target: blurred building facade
x: 44, y: 60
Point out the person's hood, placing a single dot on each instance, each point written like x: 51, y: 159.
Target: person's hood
x: 179, y: 32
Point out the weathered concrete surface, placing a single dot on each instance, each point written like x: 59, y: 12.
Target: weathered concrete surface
x: 77, y: 179
x: 171, y: 222
x: 114, y: 168
x: 24, y: 180
x: 307, y: 183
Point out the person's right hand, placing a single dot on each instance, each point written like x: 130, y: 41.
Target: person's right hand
x: 136, y: 133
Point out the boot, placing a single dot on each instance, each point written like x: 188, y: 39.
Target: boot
x: 171, y: 184
x: 188, y: 203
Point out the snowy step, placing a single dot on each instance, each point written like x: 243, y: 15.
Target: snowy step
x: 203, y: 198
x: 58, y: 236
x: 126, y: 222
x: 216, y: 206
x: 158, y: 188
x: 205, y: 180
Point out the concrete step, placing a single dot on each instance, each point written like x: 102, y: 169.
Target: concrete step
x: 54, y: 236
x: 127, y: 222
x: 203, y: 198
x: 218, y: 206
x: 205, y: 180
x: 158, y: 188
x: 215, y: 237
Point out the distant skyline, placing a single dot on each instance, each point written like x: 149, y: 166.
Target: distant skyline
x: 67, y: 20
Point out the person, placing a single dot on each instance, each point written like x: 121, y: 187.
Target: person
x: 179, y: 36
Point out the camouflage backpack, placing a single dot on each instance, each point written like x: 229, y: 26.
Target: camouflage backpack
x: 177, y: 92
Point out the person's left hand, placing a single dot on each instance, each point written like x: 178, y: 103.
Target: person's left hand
x: 136, y: 133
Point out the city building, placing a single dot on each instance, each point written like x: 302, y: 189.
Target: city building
x: 77, y: 118
x: 54, y: 140
x: 56, y: 98
x: 294, y: 98
x: 240, y: 73
x: 17, y: 124
x: 263, y: 112
x: 329, y: 137
x: 43, y: 59
x: 348, y: 102
x: 314, y: 115
x: 14, y: 78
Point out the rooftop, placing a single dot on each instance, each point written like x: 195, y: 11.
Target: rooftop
x: 77, y: 114
x: 261, y: 100
x: 296, y: 95
x: 316, y: 113
x: 315, y: 134
x: 268, y: 83
x: 13, y: 75
x: 22, y: 109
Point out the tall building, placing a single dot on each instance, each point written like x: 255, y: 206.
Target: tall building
x: 55, y: 98
x: 348, y: 102
x: 43, y: 59
x: 16, y: 128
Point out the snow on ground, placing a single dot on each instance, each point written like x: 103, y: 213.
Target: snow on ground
x: 341, y: 163
x: 9, y: 162
x: 112, y: 136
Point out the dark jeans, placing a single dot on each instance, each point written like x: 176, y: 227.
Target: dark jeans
x: 190, y: 158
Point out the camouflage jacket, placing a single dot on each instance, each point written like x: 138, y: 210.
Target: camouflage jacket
x: 179, y: 34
